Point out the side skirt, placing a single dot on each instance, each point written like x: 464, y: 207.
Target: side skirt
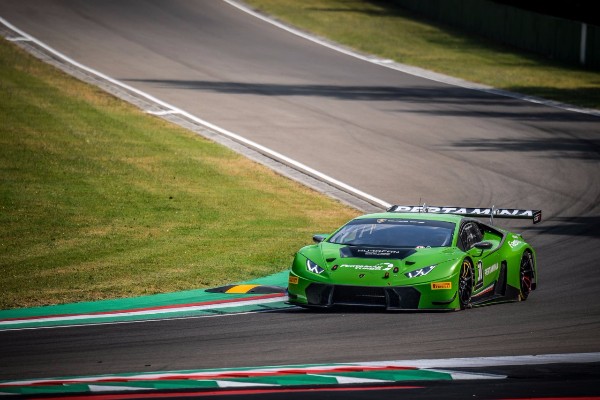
x: 497, y: 292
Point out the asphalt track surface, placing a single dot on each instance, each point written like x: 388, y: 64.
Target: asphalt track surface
x: 396, y: 136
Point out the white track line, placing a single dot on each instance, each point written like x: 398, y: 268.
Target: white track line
x: 139, y: 321
x: 497, y: 361
x: 320, y: 370
x: 172, y: 109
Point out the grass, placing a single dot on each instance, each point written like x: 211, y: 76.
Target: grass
x: 384, y: 29
x: 98, y: 200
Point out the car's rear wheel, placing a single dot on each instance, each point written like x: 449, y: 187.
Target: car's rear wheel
x: 527, y: 275
x: 465, y: 284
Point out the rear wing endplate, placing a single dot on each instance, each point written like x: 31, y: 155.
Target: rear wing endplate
x: 534, y: 215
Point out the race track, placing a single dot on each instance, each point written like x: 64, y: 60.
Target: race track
x: 398, y: 137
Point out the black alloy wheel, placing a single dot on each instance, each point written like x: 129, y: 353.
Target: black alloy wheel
x: 527, y: 275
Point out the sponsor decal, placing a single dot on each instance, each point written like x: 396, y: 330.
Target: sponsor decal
x: 293, y: 280
x: 491, y: 269
x: 479, y: 282
x: 444, y: 210
x: 485, y: 291
x: 378, y: 267
x: 536, y: 215
x: 514, y: 243
x: 375, y: 252
x: 441, y: 285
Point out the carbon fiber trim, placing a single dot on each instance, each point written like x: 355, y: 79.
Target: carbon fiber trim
x: 391, y: 298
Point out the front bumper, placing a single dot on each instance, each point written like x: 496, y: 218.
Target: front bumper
x: 314, y: 294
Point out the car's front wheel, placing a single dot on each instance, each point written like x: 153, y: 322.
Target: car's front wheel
x: 465, y: 284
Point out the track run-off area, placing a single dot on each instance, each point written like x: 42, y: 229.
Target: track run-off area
x: 368, y: 132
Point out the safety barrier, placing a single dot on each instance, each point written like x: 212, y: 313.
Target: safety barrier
x: 556, y: 38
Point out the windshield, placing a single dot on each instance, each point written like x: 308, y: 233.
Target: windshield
x: 395, y: 233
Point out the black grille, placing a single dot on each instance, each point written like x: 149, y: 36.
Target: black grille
x: 367, y: 296
x: 394, y: 298
x: 403, y: 298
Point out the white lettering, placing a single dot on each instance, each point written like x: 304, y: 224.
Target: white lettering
x: 491, y: 269
x: 479, y: 211
x: 505, y: 212
x: 514, y: 243
x: 379, y: 267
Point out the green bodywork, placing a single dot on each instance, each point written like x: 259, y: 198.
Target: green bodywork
x: 496, y: 271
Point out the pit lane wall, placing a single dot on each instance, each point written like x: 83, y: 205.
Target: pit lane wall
x: 556, y: 38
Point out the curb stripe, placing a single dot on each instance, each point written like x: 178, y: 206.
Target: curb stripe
x: 343, y: 380
x: 356, y: 374
x: 226, y: 373
x: 263, y: 294
x: 288, y: 378
x: 226, y: 384
x: 269, y: 298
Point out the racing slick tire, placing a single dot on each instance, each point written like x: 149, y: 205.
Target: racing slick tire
x: 526, y: 275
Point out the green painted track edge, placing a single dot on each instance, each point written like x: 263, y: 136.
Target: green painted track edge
x: 183, y: 299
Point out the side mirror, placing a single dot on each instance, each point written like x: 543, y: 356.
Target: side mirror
x: 483, y: 245
x: 319, y: 238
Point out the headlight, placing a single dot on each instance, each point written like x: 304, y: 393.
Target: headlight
x: 419, y: 272
x: 312, y: 267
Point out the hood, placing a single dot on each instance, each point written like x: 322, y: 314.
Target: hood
x: 356, y: 265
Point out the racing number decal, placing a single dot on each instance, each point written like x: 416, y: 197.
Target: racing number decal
x: 479, y: 283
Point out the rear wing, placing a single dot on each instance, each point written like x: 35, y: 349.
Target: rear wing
x: 534, y: 215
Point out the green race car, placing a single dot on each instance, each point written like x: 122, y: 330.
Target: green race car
x: 417, y: 257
